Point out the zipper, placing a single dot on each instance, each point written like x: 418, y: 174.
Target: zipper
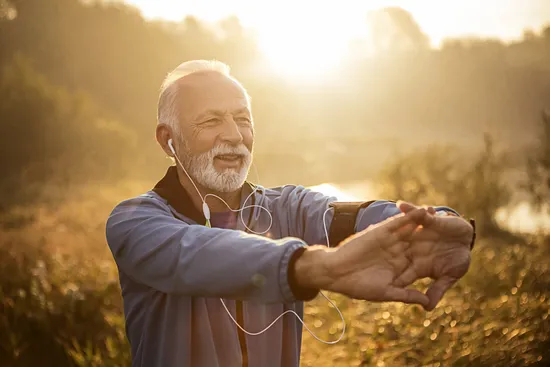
x: 242, y: 336
x: 239, y: 305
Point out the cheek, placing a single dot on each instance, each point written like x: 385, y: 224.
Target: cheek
x: 202, y: 142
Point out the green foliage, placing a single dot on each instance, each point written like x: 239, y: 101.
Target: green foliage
x: 444, y: 175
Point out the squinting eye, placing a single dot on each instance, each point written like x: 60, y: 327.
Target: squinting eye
x: 244, y: 120
x: 211, y: 121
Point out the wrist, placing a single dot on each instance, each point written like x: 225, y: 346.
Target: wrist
x: 311, y: 269
x: 474, y: 234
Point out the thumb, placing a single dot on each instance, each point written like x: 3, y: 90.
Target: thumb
x: 437, y: 290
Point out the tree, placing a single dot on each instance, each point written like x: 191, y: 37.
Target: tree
x: 538, y: 168
x: 395, y: 29
x: 49, y: 134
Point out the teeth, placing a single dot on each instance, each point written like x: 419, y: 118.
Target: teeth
x: 228, y: 156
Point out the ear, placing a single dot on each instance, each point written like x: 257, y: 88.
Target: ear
x: 163, y: 134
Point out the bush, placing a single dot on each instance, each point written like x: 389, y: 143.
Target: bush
x: 57, y: 310
x: 444, y: 175
x: 60, y: 301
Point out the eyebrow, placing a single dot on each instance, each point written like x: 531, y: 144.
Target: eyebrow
x: 222, y: 112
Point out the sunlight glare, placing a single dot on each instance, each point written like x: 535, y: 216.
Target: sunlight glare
x: 332, y: 190
x: 310, y: 42
x: 299, y: 55
x: 309, y: 39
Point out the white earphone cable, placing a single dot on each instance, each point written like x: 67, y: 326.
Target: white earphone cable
x: 246, y: 207
x: 299, y: 318
x: 207, y: 215
x: 183, y: 168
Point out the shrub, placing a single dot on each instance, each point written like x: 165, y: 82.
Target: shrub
x: 444, y: 175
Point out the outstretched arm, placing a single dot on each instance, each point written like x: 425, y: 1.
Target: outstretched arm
x: 310, y: 212
x: 153, y: 248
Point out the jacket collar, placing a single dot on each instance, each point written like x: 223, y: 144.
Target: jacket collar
x: 171, y: 190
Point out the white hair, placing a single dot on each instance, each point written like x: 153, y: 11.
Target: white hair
x: 167, y: 109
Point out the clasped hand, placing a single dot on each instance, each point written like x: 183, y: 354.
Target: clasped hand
x: 381, y: 262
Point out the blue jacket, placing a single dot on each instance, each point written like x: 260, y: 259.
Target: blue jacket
x: 173, y: 271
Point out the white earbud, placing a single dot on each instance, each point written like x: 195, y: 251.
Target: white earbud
x: 171, y: 146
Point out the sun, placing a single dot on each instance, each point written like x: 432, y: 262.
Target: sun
x: 299, y: 55
x: 300, y: 39
x: 301, y: 48
x: 308, y: 42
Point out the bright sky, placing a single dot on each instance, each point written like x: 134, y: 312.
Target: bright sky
x: 307, y: 34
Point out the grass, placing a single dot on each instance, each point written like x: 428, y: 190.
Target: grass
x: 498, y: 315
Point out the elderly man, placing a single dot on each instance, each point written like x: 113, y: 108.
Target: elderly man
x: 199, y: 283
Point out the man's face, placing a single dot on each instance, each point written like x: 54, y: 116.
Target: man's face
x: 216, y: 131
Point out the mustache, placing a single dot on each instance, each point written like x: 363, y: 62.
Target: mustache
x: 240, y: 149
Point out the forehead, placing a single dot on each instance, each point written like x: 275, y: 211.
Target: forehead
x: 209, y: 91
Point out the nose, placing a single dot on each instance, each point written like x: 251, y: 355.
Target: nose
x: 231, y: 133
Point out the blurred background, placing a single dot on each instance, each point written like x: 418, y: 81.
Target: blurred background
x: 436, y: 102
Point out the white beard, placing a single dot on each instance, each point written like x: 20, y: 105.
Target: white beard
x: 201, y: 168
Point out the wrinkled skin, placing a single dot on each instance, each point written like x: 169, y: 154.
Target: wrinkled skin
x: 440, y: 250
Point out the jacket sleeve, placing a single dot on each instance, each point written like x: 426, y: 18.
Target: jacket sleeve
x: 309, y: 209
x: 301, y: 212
x: 152, y: 247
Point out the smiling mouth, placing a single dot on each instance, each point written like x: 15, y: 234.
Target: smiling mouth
x: 229, y: 158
